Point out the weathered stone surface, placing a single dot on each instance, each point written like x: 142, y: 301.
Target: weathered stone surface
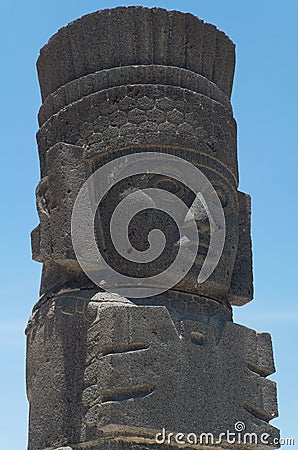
x: 179, y: 364
x: 121, y: 76
x: 109, y: 372
x: 136, y: 36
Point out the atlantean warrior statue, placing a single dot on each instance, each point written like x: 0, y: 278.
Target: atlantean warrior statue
x: 128, y: 348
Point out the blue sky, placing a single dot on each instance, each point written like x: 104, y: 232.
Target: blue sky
x: 265, y: 106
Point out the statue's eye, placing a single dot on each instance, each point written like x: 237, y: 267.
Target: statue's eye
x: 164, y: 183
x: 168, y: 185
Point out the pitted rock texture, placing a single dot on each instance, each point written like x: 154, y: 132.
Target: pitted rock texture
x: 144, y: 114
x: 139, y: 368
x: 136, y: 36
x: 121, y: 76
x: 108, y: 372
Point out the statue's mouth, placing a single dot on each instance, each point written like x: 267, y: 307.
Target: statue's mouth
x: 203, y: 249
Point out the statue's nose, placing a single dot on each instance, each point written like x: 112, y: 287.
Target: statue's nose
x: 199, y: 212
x: 202, y: 220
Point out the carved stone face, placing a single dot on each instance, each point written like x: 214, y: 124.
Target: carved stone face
x: 55, y: 234
x: 120, y: 120
x: 219, y: 283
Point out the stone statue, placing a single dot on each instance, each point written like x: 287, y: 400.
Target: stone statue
x: 106, y: 369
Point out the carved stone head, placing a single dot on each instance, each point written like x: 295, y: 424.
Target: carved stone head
x: 168, y: 92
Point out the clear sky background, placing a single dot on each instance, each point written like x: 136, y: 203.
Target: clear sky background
x: 265, y: 106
